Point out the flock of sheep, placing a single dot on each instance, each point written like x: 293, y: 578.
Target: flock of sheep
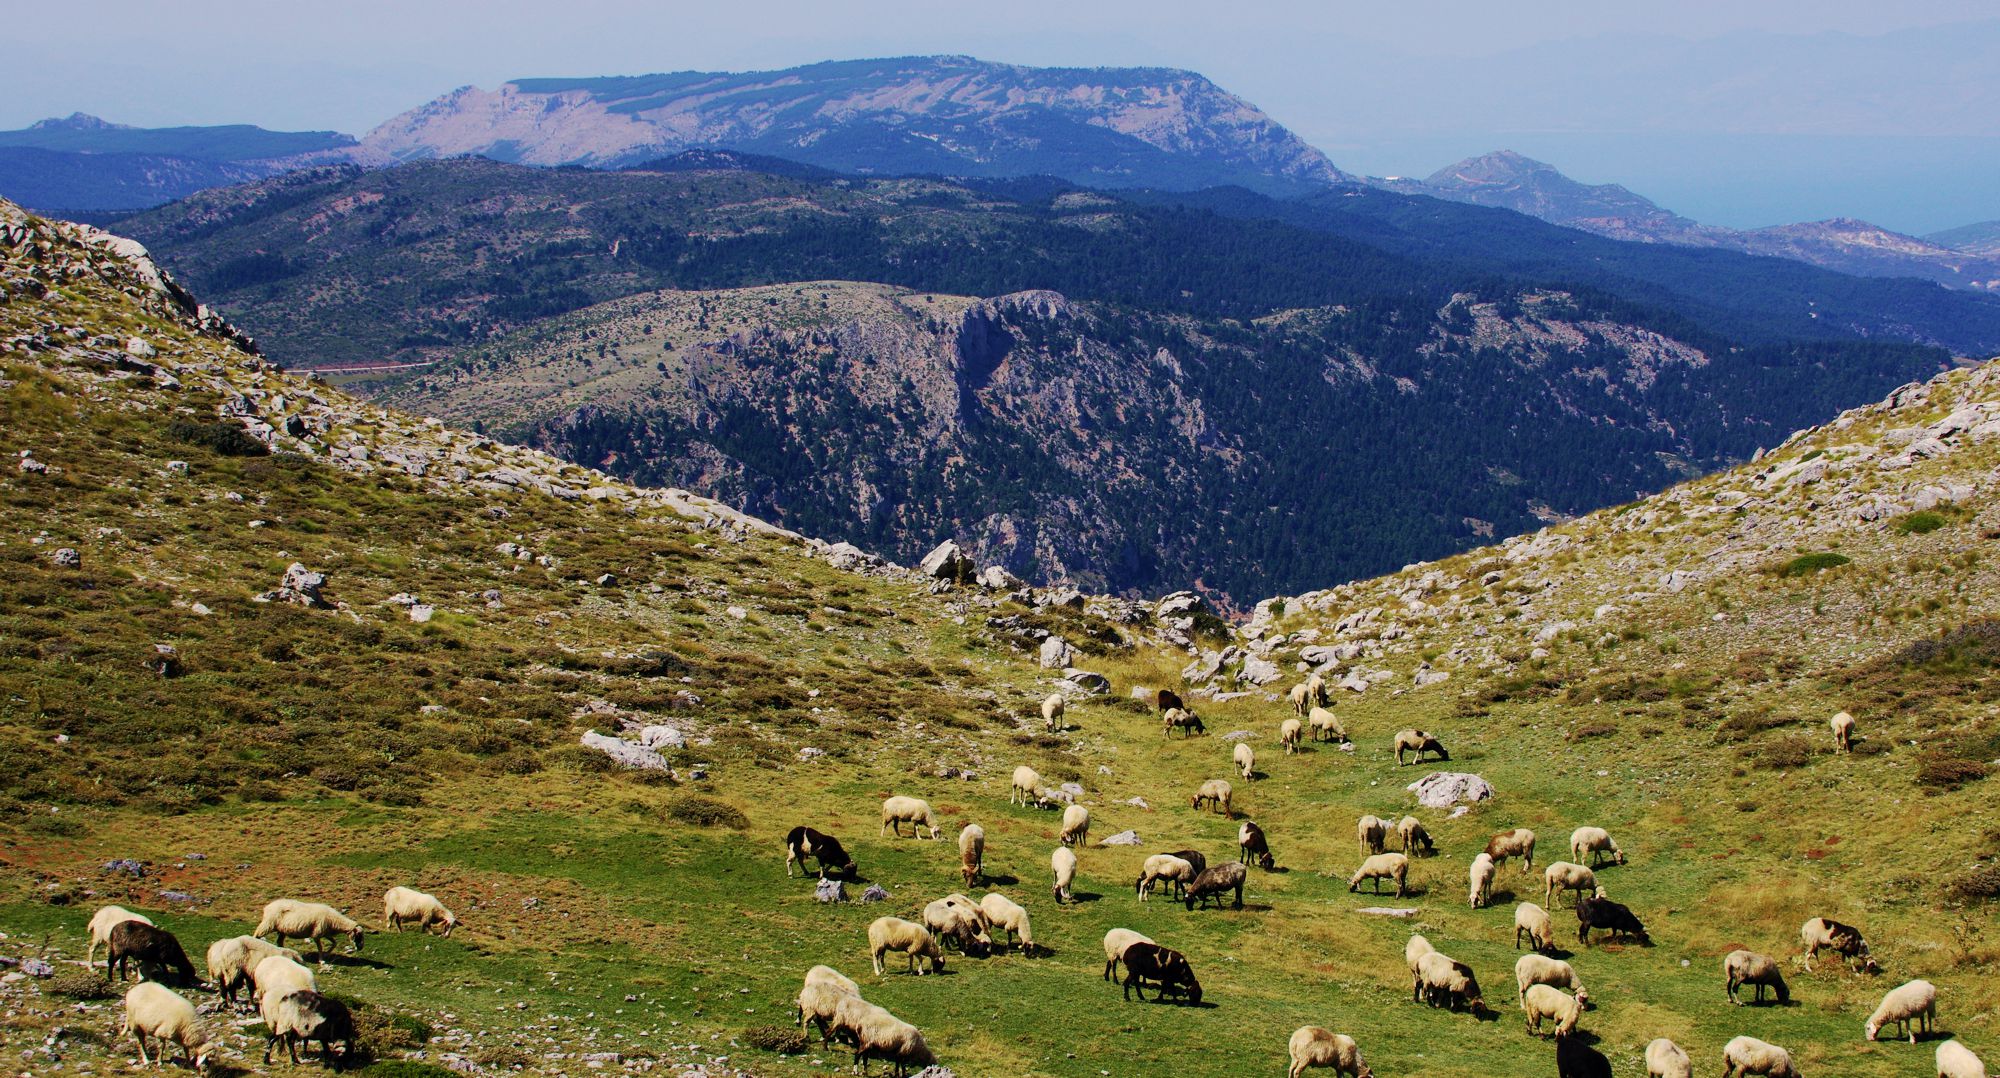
x: 276, y: 977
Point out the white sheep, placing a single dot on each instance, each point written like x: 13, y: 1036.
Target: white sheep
x: 1416, y: 840
x: 1289, y: 733
x: 1053, y: 707
x: 1325, y: 726
x: 1741, y: 967
x: 1481, y: 877
x: 1312, y: 1046
x: 1955, y: 1060
x: 1533, y: 969
x: 101, y: 924
x: 232, y: 961
x: 881, y: 1035
x: 819, y: 1001
x: 289, y: 918
x: 1587, y: 844
x: 1748, y: 1055
x: 964, y: 925
x: 1075, y: 826
x: 1665, y: 1059
x: 1246, y: 760
x: 914, y: 940
x: 1216, y: 793
x: 1316, y: 690
x: 1006, y: 914
x: 401, y: 904
x: 1843, y: 731
x: 1441, y: 977
x: 1913, y: 1007
x: 1300, y: 697
x: 1115, y: 942
x: 915, y: 811
x: 1520, y: 842
x: 1565, y: 876
x: 1062, y: 865
x: 1373, y: 834
x: 1382, y: 866
x: 971, y: 852
x: 277, y: 976
x: 1163, y: 866
x: 1543, y: 1001
x: 1025, y: 783
x: 154, y: 1010
x: 1532, y: 922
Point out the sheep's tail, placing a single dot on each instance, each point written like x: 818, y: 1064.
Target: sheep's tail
x: 266, y: 926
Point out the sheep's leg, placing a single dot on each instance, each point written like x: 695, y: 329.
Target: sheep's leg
x: 140, y: 1036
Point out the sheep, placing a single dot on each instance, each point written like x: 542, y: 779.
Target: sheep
x: 1325, y: 727
x: 1575, y: 1059
x: 915, y: 811
x: 1216, y: 793
x: 1006, y: 914
x: 1382, y: 866
x: 953, y: 924
x: 1115, y: 942
x: 1520, y: 842
x: 1665, y: 1059
x: 1196, y: 859
x: 1445, y: 979
x: 1312, y: 1046
x: 1062, y: 864
x: 1167, y: 700
x: 101, y: 924
x: 802, y: 842
x: 277, y: 976
x: 1843, y: 731
x: 1748, y: 1055
x: 971, y: 852
x: 1418, y: 742
x: 315, y: 921
x: 1075, y: 826
x: 1053, y: 706
x: 1026, y: 781
x: 881, y: 1035
x: 1251, y: 845
x: 1179, y: 718
x: 1748, y: 967
x: 1301, y: 698
x: 1289, y: 733
x: 1246, y: 760
x: 1532, y: 923
x: 1542, y: 1001
x: 401, y: 904
x: 1163, y: 866
x: 1413, y: 955
x: 157, y: 953
x: 1214, y: 882
x: 1166, y: 968
x: 1913, y: 1007
x: 1533, y: 969
x: 819, y: 999
x: 231, y: 960
x: 1566, y: 876
x: 1317, y: 693
x: 1414, y: 836
x: 1481, y: 878
x: 914, y: 940
x: 1843, y: 940
x: 1614, y: 917
x: 1587, y: 844
x: 1373, y: 834
x: 153, y: 1010
x: 309, y: 1016
x: 1955, y: 1060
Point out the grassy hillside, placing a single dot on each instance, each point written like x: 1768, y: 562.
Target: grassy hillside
x: 330, y: 753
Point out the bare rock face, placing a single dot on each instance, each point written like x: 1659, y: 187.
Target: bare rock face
x: 1057, y: 654
x: 1442, y: 789
x: 625, y: 753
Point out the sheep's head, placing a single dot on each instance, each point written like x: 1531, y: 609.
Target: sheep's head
x: 355, y: 936
x: 1266, y: 862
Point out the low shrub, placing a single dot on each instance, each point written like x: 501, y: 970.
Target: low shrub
x: 225, y: 439
x: 1786, y: 754
x: 706, y: 812
x: 1919, y: 523
x: 1949, y: 772
x: 1808, y: 564
x: 784, y: 1040
x: 1979, y: 885
x: 70, y: 982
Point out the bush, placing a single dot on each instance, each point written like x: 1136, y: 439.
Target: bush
x: 706, y: 812
x: 1786, y: 754
x: 70, y: 982
x: 784, y: 1040
x: 1949, y: 772
x: 1920, y: 523
x: 225, y: 439
x: 1980, y: 885
x: 1807, y: 564
x: 1744, y: 724
x: 405, y: 1068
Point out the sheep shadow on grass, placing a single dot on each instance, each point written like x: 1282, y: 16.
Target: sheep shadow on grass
x: 1084, y: 896
x: 1003, y: 879
x: 361, y: 961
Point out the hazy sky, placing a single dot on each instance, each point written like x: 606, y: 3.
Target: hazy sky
x: 1403, y: 87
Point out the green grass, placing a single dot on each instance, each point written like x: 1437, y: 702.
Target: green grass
x: 1808, y: 564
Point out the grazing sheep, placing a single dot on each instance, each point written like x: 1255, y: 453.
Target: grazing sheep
x: 971, y: 852
x: 1062, y: 864
x: 1543, y: 1001
x: 1164, y: 866
x: 1843, y: 731
x: 1325, y: 727
x: 1533, y: 969
x: 1165, y: 968
x: 277, y: 976
x: 1913, y: 1007
x: 1317, y: 692
x: 954, y: 924
x: 1843, y: 940
x: 1587, y: 844
x: 153, y: 1010
x: 1748, y: 967
x: 1115, y: 942
x: 1312, y: 1046
x: 1480, y: 875
x: 1075, y: 826
x: 157, y: 953
x: 914, y: 940
x: 1565, y: 876
x: 1289, y: 733
x: 1006, y: 914
x: 1520, y: 842
x: 1413, y: 955
x: 1214, y: 882
x: 1449, y: 982
x: 1748, y: 1055
x: 1196, y: 859
x: 1026, y: 781
x: 309, y: 1016
x: 1252, y: 846
x: 1373, y: 834
x: 803, y: 842
x: 1418, y: 742
x: 315, y: 921
x: 401, y: 904
x: 1955, y: 1060
x: 101, y: 924
x: 1216, y: 794
x: 1053, y: 707
x: 1614, y: 917
x: 1301, y: 698
x: 881, y: 1035
x: 1416, y: 840
x: 819, y: 999
x: 915, y: 811
x: 1246, y: 760
x: 1575, y: 1059
x: 1532, y: 923
x: 231, y: 960
x: 1382, y: 866
x: 1665, y: 1059
x: 1179, y: 718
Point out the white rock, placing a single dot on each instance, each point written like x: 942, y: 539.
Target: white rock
x: 1441, y: 789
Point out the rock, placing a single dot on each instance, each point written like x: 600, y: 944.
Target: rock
x: 1238, y: 735
x: 737, y: 612
x: 811, y: 752
x: 1144, y: 694
x: 1122, y: 838
x: 1673, y: 583
x: 874, y: 893
x: 630, y: 754
x: 1138, y: 803
x: 997, y: 578
x: 662, y: 737
x: 36, y: 967
x: 1547, y: 633
x: 1057, y: 654
x: 1427, y: 676
x: 830, y: 890
x: 300, y: 586
x: 137, y: 346
x: 1179, y: 604
x: 1442, y: 789
x: 851, y: 558
x: 66, y: 558
x: 935, y: 1070
x: 165, y: 660
x: 200, y: 609
x: 31, y: 466
x: 1260, y: 671
x: 1388, y: 911
x: 1202, y: 669
x: 1354, y: 683
x: 1070, y: 791
x: 946, y: 562
x: 176, y: 896
x: 1063, y: 597
x: 126, y: 866
x: 422, y: 612
x: 607, y: 580
x: 1094, y: 684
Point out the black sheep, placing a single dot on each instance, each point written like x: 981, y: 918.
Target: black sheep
x: 1165, y: 968
x: 1575, y: 1059
x: 803, y: 842
x: 158, y: 953
x: 1613, y: 917
x: 1213, y: 882
x: 1251, y: 846
x: 1169, y: 699
x: 1195, y: 858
